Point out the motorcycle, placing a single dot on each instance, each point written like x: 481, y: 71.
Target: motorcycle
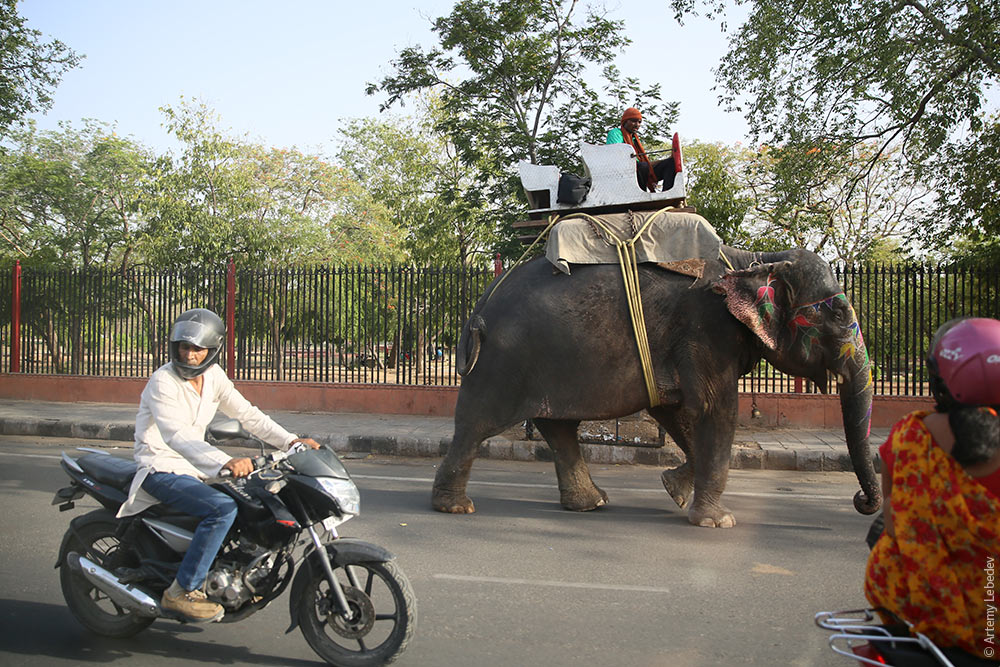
x: 354, y: 605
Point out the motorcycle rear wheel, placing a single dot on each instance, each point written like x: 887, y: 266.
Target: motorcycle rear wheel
x: 91, y: 607
x: 383, y: 614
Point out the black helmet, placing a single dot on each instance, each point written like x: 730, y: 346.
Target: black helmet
x: 200, y: 327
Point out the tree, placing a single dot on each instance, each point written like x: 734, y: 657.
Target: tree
x: 415, y: 173
x: 511, y: 76
x: 717, y: 186
x: 71, y: 198
x: 29, y: 67
x: 968, y: 196
x: 806, y: 196
x: 903, y: 76
x: 224, y: 197
x: 869, y: 70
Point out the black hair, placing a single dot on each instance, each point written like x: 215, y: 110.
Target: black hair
x: 977, y: 433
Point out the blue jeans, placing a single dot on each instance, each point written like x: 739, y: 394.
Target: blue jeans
x: 216, y: 510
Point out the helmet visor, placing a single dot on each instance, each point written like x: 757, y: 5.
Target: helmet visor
x: 195, y: 333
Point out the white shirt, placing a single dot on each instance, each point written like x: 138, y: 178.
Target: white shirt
x: 170, y: 429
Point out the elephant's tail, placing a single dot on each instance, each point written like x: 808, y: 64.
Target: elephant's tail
x: 470, y: 344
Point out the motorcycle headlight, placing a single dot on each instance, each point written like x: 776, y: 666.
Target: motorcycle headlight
x: 345, y: 491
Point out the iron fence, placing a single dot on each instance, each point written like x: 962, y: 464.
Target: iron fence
x: 394, y: 325
x: 325, y: 324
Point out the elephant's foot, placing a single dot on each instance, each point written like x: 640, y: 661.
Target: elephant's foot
x: 452, y: 502
x: 711, y: 516
x: 679, y: 484
x: 583, y: 500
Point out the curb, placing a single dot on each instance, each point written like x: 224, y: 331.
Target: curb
x: 745, y: 456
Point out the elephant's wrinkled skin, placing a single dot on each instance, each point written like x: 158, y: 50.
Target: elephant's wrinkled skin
x: 560, y: 349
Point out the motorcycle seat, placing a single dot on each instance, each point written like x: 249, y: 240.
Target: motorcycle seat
x: 111, y: 470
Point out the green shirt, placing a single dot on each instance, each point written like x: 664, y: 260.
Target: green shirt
x: 615, y: 136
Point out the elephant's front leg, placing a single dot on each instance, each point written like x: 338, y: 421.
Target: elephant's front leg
x: 577, y: 490
x: 452, y: 478
x: 679, y: 481
x: 713, y: 444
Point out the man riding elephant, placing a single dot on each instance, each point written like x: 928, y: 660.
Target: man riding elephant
x: 647, y: 172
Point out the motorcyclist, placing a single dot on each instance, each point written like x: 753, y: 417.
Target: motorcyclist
x: 179, y: 401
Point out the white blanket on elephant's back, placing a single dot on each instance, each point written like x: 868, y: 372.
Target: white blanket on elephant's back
x: 671, y: 237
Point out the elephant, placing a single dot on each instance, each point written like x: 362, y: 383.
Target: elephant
x: 559, y: 349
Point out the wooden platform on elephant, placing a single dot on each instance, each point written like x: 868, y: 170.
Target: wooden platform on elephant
x: 672, y: 206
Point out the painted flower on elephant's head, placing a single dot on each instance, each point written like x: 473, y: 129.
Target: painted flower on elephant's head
x: 765, y: 293
x: 799, y: 322
x: 765, y: 300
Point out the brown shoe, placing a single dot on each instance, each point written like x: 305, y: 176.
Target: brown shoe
x: 193, y: 605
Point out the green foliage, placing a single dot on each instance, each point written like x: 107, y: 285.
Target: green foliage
x: 860, y: 70
x: 225, y: 197
x: 807, y: 195
x: 716, y: 185
x: 29, y: 67
x: 415, y: 173
x: 72, y: 197
x: 905, y: 76
x: 968, y: 196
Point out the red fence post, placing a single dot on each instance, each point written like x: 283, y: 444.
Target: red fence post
x: 798, y: 385
x: 497, y: 266
x: 15, y: 321
x: 231, y: 319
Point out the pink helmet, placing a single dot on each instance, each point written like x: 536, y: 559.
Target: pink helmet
x: 966, y: 358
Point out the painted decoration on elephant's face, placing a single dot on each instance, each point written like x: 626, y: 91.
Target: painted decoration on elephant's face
x: 806, y: 323
x: 765, y: 300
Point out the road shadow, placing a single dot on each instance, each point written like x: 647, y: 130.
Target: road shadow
x: 40, y: 629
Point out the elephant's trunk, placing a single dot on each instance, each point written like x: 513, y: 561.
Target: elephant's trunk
x: 856, y: 405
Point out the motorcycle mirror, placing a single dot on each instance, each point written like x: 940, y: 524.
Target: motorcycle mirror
x: 229, y: 429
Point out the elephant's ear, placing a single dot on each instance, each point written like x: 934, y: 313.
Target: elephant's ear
x: 759, y: 298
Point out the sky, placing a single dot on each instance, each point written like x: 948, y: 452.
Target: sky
x: 286, y: 74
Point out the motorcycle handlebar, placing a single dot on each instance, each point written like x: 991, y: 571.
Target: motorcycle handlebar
x: 269, y: 459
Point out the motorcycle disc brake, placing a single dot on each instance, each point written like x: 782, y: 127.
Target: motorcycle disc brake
x: 362, y: 617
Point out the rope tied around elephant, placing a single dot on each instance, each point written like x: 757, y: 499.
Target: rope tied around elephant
x: 629, y: 265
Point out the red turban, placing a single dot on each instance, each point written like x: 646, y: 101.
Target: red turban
x: 631, y: 112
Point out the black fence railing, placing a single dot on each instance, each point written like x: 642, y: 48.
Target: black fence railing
x: 395, y: 325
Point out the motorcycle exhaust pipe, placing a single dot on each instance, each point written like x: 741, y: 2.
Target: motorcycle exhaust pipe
x: 136, y: 601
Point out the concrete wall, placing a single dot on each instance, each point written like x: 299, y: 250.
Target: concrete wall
x: 806, y: 410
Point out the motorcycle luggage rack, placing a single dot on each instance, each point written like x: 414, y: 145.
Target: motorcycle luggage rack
x: 853, y: 626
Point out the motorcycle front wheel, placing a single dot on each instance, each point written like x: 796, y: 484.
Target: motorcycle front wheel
x: 383, y: 614
x: 91, y: 607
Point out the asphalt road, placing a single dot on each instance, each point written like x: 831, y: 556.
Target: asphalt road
x: 521, y: 582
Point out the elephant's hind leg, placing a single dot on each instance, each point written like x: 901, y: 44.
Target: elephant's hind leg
x: 577, y: 490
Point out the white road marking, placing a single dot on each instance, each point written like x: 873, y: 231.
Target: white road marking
x: 555, y: 584
x: 32, y: 456
x: 746, y: 494
x: 525, y: 485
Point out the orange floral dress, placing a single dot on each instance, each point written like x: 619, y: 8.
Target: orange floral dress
x: 938, y: 571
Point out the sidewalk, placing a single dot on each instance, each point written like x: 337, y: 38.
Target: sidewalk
x: 409, y: 435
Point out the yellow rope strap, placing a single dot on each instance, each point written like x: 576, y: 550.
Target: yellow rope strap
x: 629, y: 266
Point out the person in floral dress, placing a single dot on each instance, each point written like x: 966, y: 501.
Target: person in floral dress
x: 937, y: 564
